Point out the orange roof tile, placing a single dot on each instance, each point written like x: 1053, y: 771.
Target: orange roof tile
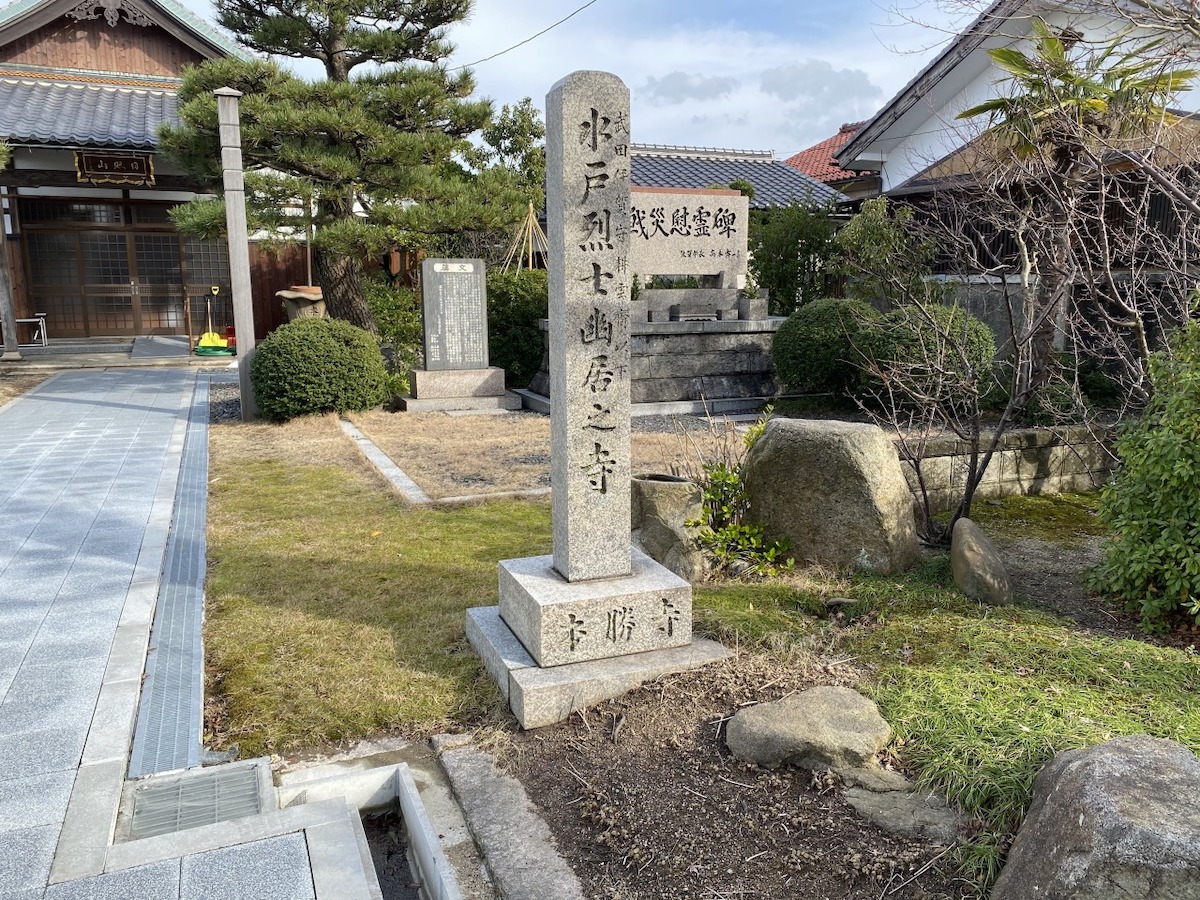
x: 817, y: 161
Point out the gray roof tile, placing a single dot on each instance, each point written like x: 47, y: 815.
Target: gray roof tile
x: 775, y: 182
x: 83, y: 114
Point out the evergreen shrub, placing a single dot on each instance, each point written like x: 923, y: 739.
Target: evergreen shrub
x: 927, y: 351
x: 1152, y: 556
x: 516, y: 300
x: 317, y: 366
x: 396, y: 310
x: 812, y: 350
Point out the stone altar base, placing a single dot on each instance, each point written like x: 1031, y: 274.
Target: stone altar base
x: 541, y: 697
x: 446, y: 390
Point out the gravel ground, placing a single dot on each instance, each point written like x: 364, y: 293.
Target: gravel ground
x: 225, y: 406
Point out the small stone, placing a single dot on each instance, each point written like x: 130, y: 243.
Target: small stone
x: 923, y: 815
x: 821, y: 728
x: 978, y: 569
x: 879, y: 780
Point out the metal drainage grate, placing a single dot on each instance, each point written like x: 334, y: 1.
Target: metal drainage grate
x: 167, y: 736
x: 203, y: 798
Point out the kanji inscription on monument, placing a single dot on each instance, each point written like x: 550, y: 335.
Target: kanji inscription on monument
x: 588, y: 214
x: 454, y: 307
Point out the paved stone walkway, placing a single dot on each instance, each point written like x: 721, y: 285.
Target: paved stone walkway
x: 88, y: 462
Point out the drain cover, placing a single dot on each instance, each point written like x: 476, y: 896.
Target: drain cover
x: 203, y: 798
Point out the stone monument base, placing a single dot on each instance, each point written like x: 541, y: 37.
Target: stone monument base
x: 561, y: 622
x: 447, y: 390
x: 541, y: 697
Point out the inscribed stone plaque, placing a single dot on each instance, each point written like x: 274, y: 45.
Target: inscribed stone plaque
x: 454, y: 307
x: 689, y: 232
x: 587, y: 203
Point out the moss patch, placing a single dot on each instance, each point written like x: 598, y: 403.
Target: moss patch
x: 1067, y: 519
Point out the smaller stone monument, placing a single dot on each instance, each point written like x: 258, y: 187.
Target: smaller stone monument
x: 457, y: 375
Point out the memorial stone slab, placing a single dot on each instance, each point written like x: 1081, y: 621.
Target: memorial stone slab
x: 682, y: 231
x: 454, y: 308
x: 588, y: 214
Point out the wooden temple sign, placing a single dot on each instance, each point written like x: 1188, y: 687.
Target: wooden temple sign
x: 114, y: 168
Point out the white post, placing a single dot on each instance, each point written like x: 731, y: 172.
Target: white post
x: 239, y: 241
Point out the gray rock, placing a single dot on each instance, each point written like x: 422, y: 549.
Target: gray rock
x: 978, y: 570
x: 821, y: 728
x: 836, y: 491
x: 662, y: 507
x: 923, y: 815
x: 876, y: 779
x: 1119, y: 820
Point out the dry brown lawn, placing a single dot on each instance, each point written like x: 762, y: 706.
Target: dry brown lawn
x: 306, y: 441
x: 451, y: 456
x: 12, y: 386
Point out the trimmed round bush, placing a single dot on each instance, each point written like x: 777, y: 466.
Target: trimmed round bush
x: 317, y: 366
x: 813, y: 349
x: 931, y: 351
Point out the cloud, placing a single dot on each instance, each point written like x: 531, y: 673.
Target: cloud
x: 816, y: 82
x: 679, y: 87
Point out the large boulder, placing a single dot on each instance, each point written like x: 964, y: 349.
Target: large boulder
x: 836, y: 491
x: 821, y: 728
x: 976, y: 564
x: 1119, y: 820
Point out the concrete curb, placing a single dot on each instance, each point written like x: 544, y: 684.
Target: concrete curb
x: 515, y: 841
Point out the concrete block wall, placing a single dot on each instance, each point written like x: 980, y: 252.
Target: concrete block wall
x: 1028, y: 461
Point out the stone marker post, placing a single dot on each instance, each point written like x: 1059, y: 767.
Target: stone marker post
x: 587, y: 219
x: 239, y: 241
x: 598, y: 616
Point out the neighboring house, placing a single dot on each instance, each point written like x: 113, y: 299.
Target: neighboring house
x: 83, y: 89
x: 819, y: 162
x: 775, y: 183
x: 1131, y: 252
x: 918, y: 127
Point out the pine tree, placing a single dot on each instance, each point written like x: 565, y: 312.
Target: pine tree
x: 373, y: 155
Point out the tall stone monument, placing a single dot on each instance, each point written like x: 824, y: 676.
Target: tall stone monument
x: 596, y: 617
x: 457, y: 374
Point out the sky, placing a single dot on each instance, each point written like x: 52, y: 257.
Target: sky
x: 775, y: 75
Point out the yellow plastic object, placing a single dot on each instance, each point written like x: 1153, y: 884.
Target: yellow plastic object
x: 212, y: 339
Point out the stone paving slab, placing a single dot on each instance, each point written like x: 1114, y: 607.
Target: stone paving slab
x: 273, y: 869
x: 89, y: 463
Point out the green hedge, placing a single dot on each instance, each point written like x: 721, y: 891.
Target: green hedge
x: 929, y: 351
x: 317, y: 366
x: 516, y: 300
x: 813, y: 349
x: 1152, y: 558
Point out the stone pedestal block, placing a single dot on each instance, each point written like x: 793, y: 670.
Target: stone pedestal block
x: 446, y: 383
x: 562, y: 622
x: 541, y: 697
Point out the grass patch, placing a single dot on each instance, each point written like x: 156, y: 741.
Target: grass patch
x: 1068, y: 519
x: 979, y: 697
x: 334, y: 611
